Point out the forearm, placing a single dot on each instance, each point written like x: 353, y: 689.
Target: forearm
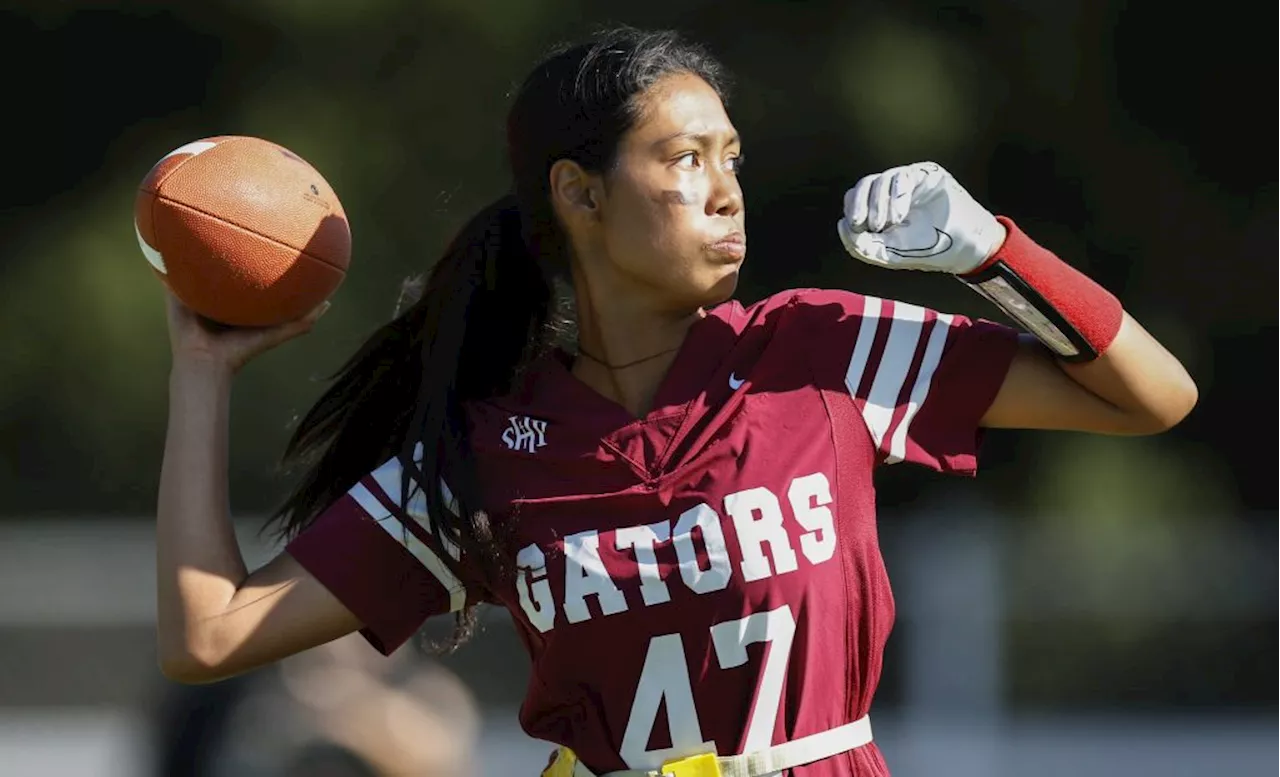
x: 1139, y: 377
x: 1094, y: 368
x: 1109, y: 374
x: 198, y: 561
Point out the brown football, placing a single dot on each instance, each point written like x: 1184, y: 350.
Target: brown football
x: 243, y: 231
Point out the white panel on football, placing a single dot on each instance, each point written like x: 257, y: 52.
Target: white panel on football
x: 153, y: 256
x: 192, y: 148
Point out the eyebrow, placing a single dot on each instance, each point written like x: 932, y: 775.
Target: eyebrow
x: 703, y: 139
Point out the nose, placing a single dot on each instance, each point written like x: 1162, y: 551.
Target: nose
x: 726, y: 194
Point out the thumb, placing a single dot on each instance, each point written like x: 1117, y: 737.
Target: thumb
x: 864, y: 246
x: 870, y: 248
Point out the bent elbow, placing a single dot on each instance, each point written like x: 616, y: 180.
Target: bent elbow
x: 186, y: 670
x: 182, y: 664
x: 1182, y: 401
x: 1189, y: 396
x: 1176, y: 404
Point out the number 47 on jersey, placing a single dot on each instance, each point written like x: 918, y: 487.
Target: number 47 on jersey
x: 665, y: 677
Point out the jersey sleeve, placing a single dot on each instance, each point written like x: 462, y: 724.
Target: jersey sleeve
x: 921, y: 380
x: 391, y: 574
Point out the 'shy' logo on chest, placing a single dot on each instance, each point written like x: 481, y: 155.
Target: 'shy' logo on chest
x: 525, y: 434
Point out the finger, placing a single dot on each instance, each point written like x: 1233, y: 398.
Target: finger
x: 272, y: 336
x: 864, y: 246
x: 304, y: 324
x: 928, y: 175
x: 317, y: 312
x: 847, y: 236
x: 869, y: 247
x: 901, y: 188
x: 932, y: 169
x: 878, y: 203
x: 855, y: 203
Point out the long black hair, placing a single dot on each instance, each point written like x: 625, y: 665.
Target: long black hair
x: 488, y: 306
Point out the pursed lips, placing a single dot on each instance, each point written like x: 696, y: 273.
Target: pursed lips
x: 733, y: 244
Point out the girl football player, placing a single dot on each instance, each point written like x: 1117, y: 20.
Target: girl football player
x: 669, y: 492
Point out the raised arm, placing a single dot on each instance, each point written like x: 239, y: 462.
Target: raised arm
x: 1085, y: 365
x: 215, y: 618
x: 1135, y: 387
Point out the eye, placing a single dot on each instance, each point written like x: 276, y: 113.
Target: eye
x: 736, y: 163
x: 688, y: 160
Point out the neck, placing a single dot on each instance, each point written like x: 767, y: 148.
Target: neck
x: 631, y: 345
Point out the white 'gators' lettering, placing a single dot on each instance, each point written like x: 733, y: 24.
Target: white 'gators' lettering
x: 809, y: 497
x: 585, y: 575
x: 535, y: 593
x: 716, y: 576
x: 757, y: 516
x: 642, y: 538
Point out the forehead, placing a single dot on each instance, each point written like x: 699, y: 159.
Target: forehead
x: 682, y: 103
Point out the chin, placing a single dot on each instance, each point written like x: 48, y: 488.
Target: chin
x: 722, y: 289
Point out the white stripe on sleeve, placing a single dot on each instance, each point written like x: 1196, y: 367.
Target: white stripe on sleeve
x: 920, y: 391
x: 388, y: 477
x: 446, y: 493
x: 392, y: 525
x: 891, y: 371
x: 368, y: 502
x: 862, y: 348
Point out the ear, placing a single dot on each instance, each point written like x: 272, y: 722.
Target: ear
x: 573, y: 189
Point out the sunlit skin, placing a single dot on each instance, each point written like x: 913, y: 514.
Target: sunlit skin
x: 645, y: 265
x: 648, y: 256
x: 654, y: 240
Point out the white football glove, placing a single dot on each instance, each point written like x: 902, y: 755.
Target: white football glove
x: 917, y: 217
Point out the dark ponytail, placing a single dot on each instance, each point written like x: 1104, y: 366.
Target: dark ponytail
x: 488, y: 307
x: 482, y: 314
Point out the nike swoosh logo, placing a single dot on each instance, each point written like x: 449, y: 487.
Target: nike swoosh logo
x: 942, y: 243
x: 735, y: 382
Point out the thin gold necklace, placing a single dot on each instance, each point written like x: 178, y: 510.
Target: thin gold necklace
x: 607, y: 365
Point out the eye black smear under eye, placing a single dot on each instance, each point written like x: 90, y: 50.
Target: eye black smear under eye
x: 675, y: 197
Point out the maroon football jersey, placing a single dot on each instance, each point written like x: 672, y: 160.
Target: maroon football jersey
x: 708, y: 576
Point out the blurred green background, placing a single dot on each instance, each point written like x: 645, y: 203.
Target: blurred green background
x: 1096, y: 127
x: 1133, y: 138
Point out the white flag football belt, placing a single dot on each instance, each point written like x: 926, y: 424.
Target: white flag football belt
x: 761, y: 763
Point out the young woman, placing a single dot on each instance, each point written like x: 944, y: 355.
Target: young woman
x: 672, y: 494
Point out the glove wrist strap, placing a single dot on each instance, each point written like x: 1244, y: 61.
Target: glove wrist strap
x: 1068, y: 311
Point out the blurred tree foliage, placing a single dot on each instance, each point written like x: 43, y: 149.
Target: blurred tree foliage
x: 1102, y: 127
x: 1086, y: 122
